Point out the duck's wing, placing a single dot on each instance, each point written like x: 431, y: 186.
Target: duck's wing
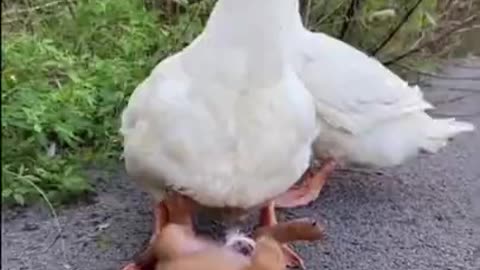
x: 353, y: 91
x: 150, y: 129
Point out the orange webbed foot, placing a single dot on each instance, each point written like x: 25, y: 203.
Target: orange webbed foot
x: 308, y: 190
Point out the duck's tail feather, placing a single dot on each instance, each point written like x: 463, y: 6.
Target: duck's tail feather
x: 441, y: 130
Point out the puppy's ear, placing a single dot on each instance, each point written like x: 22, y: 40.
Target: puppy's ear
x: 268, y: 255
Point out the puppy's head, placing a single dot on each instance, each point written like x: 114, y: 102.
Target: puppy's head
x: 178, y: 248
x: 175, y: 241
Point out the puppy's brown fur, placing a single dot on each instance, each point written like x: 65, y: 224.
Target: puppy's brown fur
x: 179, y: 249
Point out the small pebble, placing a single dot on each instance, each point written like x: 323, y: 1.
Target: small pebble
x: 28, y: 227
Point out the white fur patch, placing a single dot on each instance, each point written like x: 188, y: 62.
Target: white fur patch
x: 236, y: 236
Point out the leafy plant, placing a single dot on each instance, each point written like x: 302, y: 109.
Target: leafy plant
x: 63, y: 88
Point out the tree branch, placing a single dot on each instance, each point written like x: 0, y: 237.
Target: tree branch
x: 396, y: 29
x: 308, y: 9
x: 327, y: 16
x: 460, y: 27
x: 350, y: 14
x: 31, y: 9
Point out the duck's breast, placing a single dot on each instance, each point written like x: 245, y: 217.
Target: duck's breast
x: 219, y: 144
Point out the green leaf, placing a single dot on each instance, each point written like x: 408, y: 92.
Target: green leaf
x: 6, y: 193
x: 19, y: 198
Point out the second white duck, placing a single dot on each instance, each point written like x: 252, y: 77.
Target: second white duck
x: 368, y: 115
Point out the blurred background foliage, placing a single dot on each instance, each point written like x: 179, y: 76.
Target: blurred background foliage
x: 68, y: 68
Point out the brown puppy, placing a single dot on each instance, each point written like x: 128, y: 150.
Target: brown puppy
x: 178, y: 248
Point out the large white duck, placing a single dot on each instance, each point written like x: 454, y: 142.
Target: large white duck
x: 225, y: 122
x: 369, y: 115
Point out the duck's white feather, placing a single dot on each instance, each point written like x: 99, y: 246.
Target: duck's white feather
x: 226, y: 121
x: 370, y: 115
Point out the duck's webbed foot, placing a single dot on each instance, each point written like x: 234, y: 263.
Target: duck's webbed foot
x: 309, y: 188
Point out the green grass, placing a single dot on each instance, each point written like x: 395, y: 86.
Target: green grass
x: 64, y: 86
x: 66, y: 77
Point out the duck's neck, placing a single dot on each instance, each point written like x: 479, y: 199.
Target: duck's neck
x: 253, y: 21
x: 250, y: 39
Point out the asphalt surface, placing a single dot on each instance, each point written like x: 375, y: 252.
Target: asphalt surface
x: 424, y: 215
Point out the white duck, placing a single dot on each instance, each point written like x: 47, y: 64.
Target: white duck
x: 369, y: 115
x: 226, y: 121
